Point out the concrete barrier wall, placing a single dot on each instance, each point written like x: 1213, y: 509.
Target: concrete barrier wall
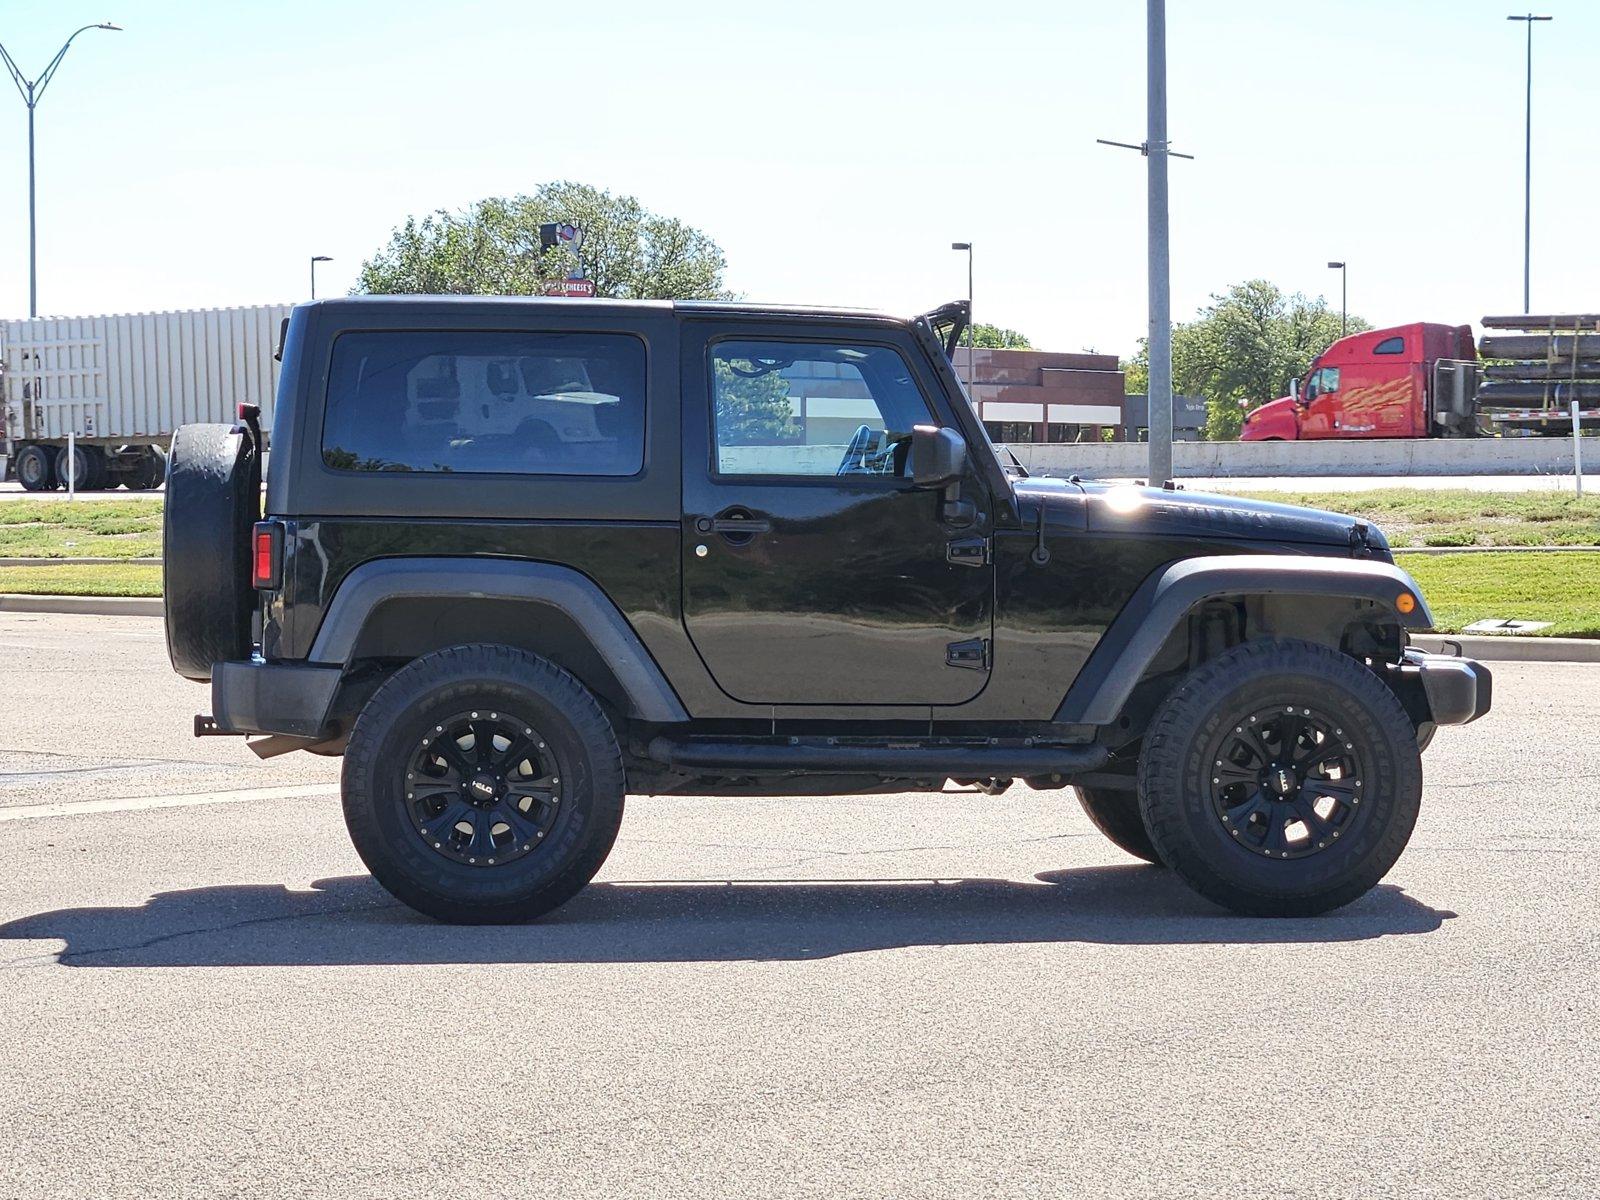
x: 1423, y: 456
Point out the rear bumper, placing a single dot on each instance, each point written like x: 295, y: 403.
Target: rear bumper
x: 1457, y: 690
x: 258, y: 697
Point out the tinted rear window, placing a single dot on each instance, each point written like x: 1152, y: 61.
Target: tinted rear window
x: 486, y: 403
x: 1390, y: 345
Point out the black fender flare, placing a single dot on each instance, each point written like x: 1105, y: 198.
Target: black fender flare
x: 1137, y: 633
x: 383, y: 580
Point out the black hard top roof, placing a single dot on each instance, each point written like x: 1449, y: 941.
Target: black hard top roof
x: 569, y: 304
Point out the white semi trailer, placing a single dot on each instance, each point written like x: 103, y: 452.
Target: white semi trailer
x: 122, y: 384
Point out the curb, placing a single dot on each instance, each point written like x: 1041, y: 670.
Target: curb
x: 93, y: 606
x: 1511, y: 647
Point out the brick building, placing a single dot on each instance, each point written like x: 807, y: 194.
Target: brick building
x: 1041, y: 396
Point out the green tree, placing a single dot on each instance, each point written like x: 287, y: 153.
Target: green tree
x: 753, y: 410
x: 1136, y: 371
x: 1242, y: 349
x: 992, y: 337
x: 493, y: 247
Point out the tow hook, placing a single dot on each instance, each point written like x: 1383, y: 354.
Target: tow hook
x: 1040, y: 555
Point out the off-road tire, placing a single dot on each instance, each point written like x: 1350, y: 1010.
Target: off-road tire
x: 407, y: 709
x: 1176, y: 775
x: 213, y: 500
x: 36, y: 469
x: 1116, y: 814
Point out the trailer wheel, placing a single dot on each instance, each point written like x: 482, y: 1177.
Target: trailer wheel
x: 147, y: 472
x: 90, y: 472
x: 36, y: 469
x: 213, y: 499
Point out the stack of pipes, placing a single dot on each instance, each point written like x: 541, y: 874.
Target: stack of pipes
x: 1550, y: 362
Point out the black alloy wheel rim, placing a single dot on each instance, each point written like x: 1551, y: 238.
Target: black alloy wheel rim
x: 483, y: 788
x: 1287, y: 781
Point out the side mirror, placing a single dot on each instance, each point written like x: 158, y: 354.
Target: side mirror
x: 1294, y: 390
x: 938, y: 456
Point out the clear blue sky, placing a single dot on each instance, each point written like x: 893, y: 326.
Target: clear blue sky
x: 833, y: 149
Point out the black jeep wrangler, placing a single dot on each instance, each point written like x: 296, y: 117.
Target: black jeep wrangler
x: 521, y: 557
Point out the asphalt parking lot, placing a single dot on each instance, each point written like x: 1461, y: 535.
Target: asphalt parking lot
x: 203, y: 993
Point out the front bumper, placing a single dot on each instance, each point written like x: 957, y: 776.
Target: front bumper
x: 259, y: 697
x: 1456, y: 690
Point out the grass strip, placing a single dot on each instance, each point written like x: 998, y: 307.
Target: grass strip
x: 1563, y: 589
x: 1460, y: 517
x: 111, y: 579
x: 80, y: 529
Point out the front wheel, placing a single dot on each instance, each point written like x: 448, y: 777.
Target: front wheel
x: 483, y: 785
x: 1281, y: 779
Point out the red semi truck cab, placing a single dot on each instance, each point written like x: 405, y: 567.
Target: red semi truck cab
x: 1377, y: 384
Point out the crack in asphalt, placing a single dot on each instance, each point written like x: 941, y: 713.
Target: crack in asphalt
x: 73, y: 955
x: 1526, y: 779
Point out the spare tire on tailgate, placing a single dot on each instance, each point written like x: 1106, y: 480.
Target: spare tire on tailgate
x: 213, y: 499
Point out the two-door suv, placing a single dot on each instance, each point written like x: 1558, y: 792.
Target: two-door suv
x: 521, y: 557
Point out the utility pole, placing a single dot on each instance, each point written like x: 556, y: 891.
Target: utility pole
x: 1156, y: 152
x: 32, y: 91
x: 1160, y: 393
x: 1527, y: 167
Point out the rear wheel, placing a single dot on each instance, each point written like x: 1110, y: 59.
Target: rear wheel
x: 36, y: 469
x: 483, y: 785
x: 1281, y: 779
x: 1116, y: 814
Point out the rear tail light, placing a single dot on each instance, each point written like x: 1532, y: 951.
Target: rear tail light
x: 266, y: 555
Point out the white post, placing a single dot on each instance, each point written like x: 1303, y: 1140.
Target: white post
x: 72, y: 464
x: 1577, y: 450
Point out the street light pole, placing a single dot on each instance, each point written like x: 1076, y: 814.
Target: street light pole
x: 1344, y: 294
x: 967, y: 246
x: 32, y: 91
x: 1527, y: 166
x: 315, y: 259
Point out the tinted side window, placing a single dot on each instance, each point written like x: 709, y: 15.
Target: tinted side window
x: 1391, y: 345
x: 806, y: 408
x: 1323, y: 382
x: 480, y: 403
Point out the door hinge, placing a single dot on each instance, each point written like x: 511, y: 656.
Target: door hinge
x: 967, y: 552
x: 972, y: 655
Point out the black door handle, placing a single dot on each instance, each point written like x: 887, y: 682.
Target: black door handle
x: 740, y: 525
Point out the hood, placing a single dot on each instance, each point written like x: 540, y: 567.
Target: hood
x: 1275, y: 419
x: 1131, y: 511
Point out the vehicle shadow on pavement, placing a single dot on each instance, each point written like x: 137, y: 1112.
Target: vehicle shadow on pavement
x: 350, y: 921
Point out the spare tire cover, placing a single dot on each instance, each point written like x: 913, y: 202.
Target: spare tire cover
x: 213, y: 499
